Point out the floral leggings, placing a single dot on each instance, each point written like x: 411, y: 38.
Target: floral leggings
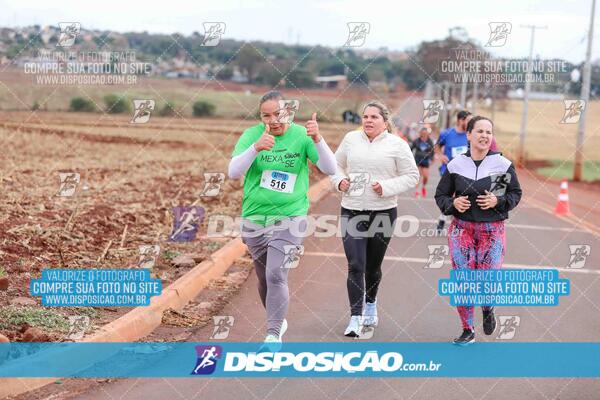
x: 475, y: 245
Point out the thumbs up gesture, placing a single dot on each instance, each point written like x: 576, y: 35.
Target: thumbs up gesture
x: 312, y: 129
x: 266, y: 141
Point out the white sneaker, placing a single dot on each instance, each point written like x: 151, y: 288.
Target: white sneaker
x: 272, y: 344
x: 370, y: 314
x: 272, y: 339
x: 283, y: 328
x: 353, y: 329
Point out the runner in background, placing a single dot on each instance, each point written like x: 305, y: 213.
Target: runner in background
x: 400, y: 134
x: 423, y: 150
x: 494, y: 145
x: 413, y: 132
x: 452, y: 142
x: 274, y: 157
x: 374, y: 166
x: 472, y: 192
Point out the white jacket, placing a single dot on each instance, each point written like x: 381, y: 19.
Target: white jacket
x: 387, y: 160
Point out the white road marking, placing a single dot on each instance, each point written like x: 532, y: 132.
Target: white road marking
x: 432, y: 200
x: 523, y: 226
x: 508, y: 225
x: 424, y: 261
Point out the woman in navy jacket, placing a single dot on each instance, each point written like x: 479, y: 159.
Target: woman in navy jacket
x: 479, y: 188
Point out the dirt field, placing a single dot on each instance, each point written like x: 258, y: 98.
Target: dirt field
x: 131, y: 177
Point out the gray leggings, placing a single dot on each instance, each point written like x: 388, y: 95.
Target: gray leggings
x: 273, y: 249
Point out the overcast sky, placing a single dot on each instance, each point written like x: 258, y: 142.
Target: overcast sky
x: 324, y: 22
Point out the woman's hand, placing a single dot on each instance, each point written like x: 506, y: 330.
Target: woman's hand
x: 312, y: 129
x: 377, y: 188
x: 462, y: 203
x: 344, y: 185
x: 266, y: 141
x: 487, y: 200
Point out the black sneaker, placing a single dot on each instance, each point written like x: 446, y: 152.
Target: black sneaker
x: 440, y: 227
x: 468, y: 336
x: 489, y: 322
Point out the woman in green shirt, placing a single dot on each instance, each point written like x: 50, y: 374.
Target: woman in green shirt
x: 274, y: 157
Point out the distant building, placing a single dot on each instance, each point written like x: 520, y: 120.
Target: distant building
x: 7, y: 33
x: 238, y: 76
x: 332, y: 82
x: 392, y: 55
x: 379, y: 86
x: 47, y: 33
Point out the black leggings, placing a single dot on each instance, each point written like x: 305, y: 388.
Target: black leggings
x: 366, y: 235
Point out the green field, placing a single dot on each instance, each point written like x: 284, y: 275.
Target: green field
x: 564, y: 170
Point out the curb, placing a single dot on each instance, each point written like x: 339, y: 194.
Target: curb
x: 141, y: 321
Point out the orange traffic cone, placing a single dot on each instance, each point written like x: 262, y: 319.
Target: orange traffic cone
x: 562, y: 207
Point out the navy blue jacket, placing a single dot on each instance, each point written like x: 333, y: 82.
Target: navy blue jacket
x: 463, y: 177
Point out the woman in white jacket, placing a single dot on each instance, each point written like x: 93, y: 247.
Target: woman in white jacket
x: 374, y: 166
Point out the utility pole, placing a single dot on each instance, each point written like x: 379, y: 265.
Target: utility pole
x: 445, y: 97
x: 475, y: 96
x: 528, y: 77
x: 585, y: 96
x: 463, y: 92
x: 493, y: 103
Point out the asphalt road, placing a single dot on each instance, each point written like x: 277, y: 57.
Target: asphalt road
x: 410, y: 310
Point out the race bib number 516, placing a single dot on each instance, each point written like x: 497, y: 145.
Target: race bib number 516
x: 278, y: 181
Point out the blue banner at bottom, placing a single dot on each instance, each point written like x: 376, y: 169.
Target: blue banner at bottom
x: 320, y: 359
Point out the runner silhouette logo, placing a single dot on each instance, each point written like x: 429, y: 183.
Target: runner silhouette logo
x: 143, y: 108
x: 573, y: 111
x: 68, y: 33
x: 68, y: 183
x: 437, y: 255
x: 578, y: 256
x: 499, y: 32
x: 508, y: 326
x: 186, y: 221
x: 207, y: 359
x: 212, y: 33
x: 358, y: 183
x: 223, y: 323
x: 432, y: 109
x: 499, y: 183
x: 357, y: 33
